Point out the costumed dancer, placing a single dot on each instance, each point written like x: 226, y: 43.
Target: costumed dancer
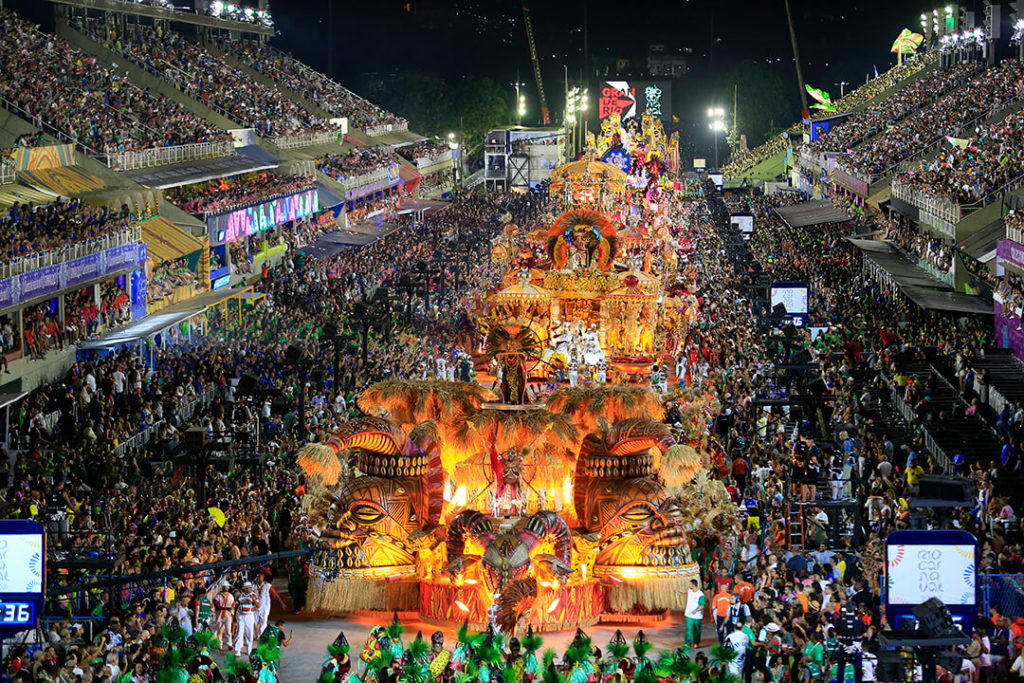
x: 248, y: 604
x: 574, y: 372
x: 337, y: 664
x: 440, y: 658
x: 531, y: 643
x: 695, y: 601
x: 602, y: 372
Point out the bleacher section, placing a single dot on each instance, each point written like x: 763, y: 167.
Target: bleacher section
x: 211, y: 80
x: 315, y: 87
x: 771, y: 153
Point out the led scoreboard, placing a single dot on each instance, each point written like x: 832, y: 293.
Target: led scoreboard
x: 22, y: 574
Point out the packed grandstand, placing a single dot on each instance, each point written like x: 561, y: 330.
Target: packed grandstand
x: 175, y: 337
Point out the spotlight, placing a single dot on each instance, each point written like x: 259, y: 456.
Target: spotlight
x: 461, y: 605
x: 554, y: 605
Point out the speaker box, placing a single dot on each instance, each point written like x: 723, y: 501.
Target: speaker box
x: 247, y: 384
x: 933, y: 618
x: 953, y: 489
x: 195, y: 438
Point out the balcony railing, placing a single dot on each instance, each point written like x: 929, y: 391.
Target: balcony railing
x: 306, y: 139
x: 7, y: 174
x: 161, y: 156
x: 385, y: 128
x: 375, y: 176
x: 429, y: 160
x: 72, y: 251
x: 1015, y: 233
x: 942, y: 212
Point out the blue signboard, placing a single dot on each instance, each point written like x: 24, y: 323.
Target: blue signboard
x: 22, y: 575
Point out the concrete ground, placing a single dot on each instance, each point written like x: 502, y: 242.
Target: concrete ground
x: 301, y: 661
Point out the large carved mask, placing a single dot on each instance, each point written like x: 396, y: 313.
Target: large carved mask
x: 638, y: 523
x: 370, y: 522
x: 618, y: 496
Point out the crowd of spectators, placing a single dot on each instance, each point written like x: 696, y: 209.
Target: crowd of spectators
x: 879, y: 116
x: 967, y: 171
x: 743, y: 163
x: 920, y: 244
x: 74, y: 94
x: 311, y: 84
x: 424, y: 149
x: 356, y: 162
x: 31, y: 230
x: 227, y: 194
x: 207, y: 77
x: 952, y: 115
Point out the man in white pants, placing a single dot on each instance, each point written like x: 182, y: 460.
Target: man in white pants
x: 265, y: 591
x: 248, y: 605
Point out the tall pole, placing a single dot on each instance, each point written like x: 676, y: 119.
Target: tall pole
x: 735, y: 129
x: 716, y: 149
x: 330, y: 38
x: 796, y: 60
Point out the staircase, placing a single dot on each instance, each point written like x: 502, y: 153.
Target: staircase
x: 969, y: 435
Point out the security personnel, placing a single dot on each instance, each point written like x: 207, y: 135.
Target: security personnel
x: 850, y: 634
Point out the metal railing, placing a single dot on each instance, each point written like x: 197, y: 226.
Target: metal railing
x: 306, y: 139
x: 941, y: 457
x: 375, y: 176
x: 72, y: 251
x: 429, y: 160
x: 142, y: 437
x: 7, y: 174
x: 940, y: 208
x: 1015, y: 233
x: 161, y: 156
x: 385, y: 128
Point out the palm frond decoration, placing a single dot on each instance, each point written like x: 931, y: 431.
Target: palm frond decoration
x: 906, y: 43
x: 722, y: 654
x: 319, y: 460
x: 679, y: 466
x: 586, y: 404
x: 409, y: 402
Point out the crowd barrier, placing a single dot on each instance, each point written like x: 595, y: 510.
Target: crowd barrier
x: 161, y: 156
x: 1004, y: 592
x: 132, y: 235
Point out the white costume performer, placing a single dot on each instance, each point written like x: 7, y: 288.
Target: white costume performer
x: 248, y: 604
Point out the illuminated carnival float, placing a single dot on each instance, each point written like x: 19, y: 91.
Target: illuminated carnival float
x: 457, y: 507
x: 553, y: 508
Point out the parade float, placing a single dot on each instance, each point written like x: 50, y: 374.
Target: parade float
x: 558, y: 498
x: 452, y: 504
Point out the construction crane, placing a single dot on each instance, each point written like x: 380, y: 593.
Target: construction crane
x: 544, y: 114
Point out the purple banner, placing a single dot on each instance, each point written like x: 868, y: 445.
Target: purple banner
x: 76, y: 272
x: 1008, y: 332
x: 39, y: 282
x: 7, y: 296
x: 1010, y: 251
x: 81, y: 270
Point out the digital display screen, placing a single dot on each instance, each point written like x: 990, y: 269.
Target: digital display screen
x: 791, y: 295
x: 17, y: 614
x: 631, y: 99
x: 916, y: 573
x: 21, y: 563
x: 745, y: 223
x: 250, y: 220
